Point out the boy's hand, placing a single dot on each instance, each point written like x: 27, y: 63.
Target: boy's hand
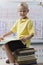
x: 1, y: 39
x: 23, y: 39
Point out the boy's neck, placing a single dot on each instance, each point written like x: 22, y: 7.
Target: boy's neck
x: 24, y: 17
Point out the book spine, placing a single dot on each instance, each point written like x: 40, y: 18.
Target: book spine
x: 24, y: 54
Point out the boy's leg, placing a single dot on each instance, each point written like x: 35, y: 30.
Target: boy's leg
x: 11, y: 47
x: 9, y: 53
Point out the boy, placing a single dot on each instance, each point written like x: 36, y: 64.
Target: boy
x: 25, y: 32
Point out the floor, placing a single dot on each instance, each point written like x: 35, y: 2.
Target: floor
x: 2, y: 62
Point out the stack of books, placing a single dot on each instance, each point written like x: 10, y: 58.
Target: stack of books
x: 26, y: 56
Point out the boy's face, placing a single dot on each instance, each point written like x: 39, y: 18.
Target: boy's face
x: 22, y: 12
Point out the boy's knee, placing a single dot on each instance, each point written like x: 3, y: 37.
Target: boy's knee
x: 4, y: 47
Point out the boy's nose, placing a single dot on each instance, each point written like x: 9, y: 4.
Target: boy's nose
x: 22, y: 12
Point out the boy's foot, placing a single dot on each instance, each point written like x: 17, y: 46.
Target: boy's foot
x: 7, y: 61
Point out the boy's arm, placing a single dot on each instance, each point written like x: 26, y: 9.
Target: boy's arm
x: 27, y: 37
x: 5, y: 35
x: 8, y: 33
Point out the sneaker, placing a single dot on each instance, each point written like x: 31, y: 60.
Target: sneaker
x: 7, y: 61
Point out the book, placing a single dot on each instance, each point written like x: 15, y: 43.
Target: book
x: 25, y: 55
x: 33, y: 61
x: 25, y: 51
x: 28, y: 63
x: 8, y: 39
x: 25, y: 58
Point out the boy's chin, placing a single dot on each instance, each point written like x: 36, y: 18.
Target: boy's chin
x: 23, y: 17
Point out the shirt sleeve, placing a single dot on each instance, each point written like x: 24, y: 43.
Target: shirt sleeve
x: 30, y: 28
x: 14, y: 28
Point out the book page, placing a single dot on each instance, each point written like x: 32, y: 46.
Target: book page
x: 8, y: 39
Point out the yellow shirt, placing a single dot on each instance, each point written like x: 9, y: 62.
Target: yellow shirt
x: 23, y: 27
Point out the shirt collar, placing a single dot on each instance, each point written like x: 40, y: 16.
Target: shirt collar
x: 23, y: 20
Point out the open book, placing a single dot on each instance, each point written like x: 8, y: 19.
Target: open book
x: 8, y: 39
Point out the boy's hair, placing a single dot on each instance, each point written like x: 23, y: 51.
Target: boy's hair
x: 24, y: 4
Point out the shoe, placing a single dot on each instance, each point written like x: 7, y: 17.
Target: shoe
x: 7, y: 61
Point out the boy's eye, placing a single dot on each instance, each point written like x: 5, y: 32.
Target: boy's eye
x: 23, y: 11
